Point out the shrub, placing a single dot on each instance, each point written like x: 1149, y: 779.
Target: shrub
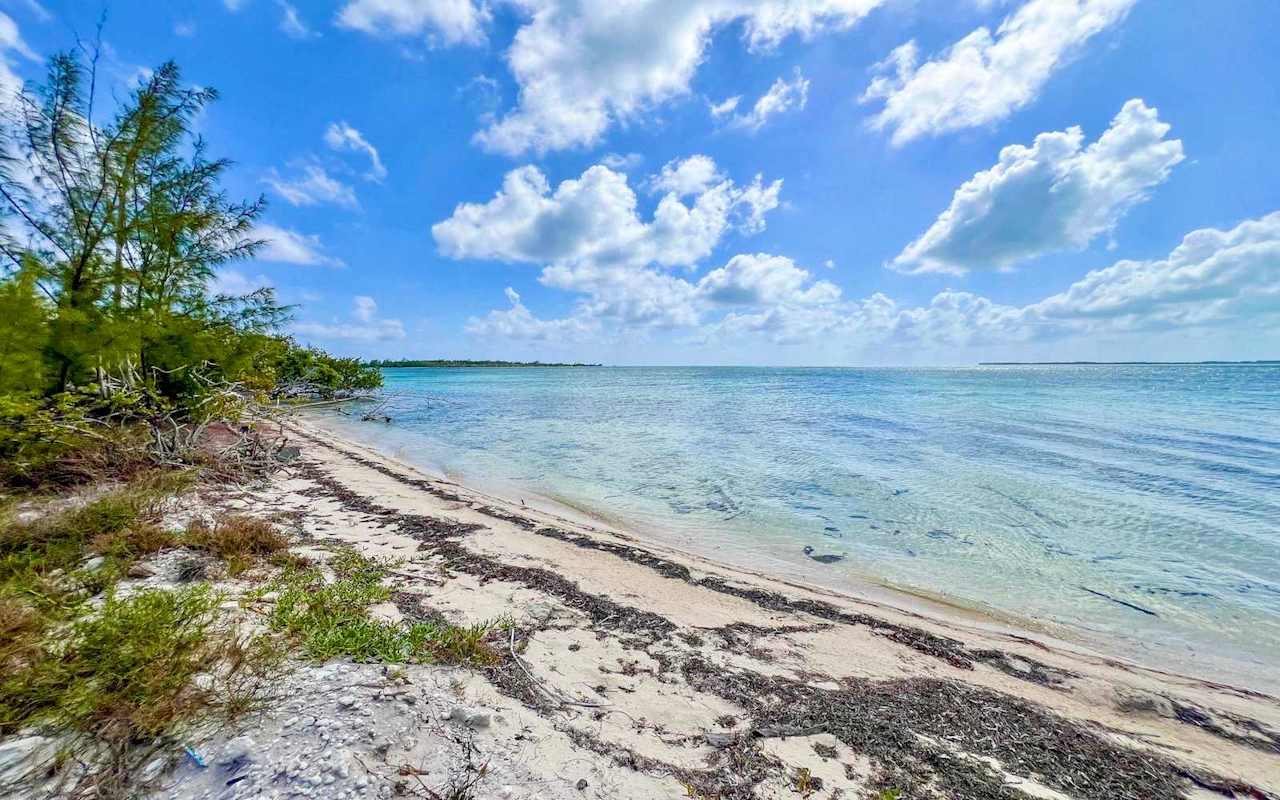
x: 123, y: 672
x: 121, y: 523
x: 237, y: 539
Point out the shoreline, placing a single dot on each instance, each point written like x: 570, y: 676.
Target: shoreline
x: 861, y: 585
x: 603, y: 605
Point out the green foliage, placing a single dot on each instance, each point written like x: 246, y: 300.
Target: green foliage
x: 24, y: 332
x: 130, y: 663
x: 126, y: 674
x: 331, y: 620
x: 41, y: 560
x: 114, y: 234
x: 305, y: 369
x: 236, y: 539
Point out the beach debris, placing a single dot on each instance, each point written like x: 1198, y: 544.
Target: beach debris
x: 582, y: 784
x: 1118, y: 601
x: 823, y: 558
x: 194, y: 756
x: 287, y: 454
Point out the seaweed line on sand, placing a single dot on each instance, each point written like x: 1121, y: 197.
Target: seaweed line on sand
x: 902, y: 725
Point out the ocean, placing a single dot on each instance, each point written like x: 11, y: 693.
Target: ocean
x: 1134, y: 507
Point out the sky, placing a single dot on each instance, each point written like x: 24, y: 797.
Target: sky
x: 782, y: 182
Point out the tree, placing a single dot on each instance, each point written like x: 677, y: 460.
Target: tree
x: 24, y: 333
x: 122, y: 224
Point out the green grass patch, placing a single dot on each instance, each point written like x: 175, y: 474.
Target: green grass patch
x: 121, y: 523
x: 125, y: 672
x: 331, y: 620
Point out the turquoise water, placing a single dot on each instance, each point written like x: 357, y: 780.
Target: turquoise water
x: 1032, y: 490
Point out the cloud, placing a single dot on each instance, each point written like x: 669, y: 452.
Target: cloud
x: 365, y: 308
x: 234, y: 5
x: 764, y: 279
x: 1055, y: 195
x: 646, y: 299
x: 687, y: 176
x: 362, y: 325
x: 1213, y: 277
x: 290, y: 247
x: 724, y: 107
x: 11, y: 42
x: 594, y: 220
x: 341, y: 136
x: 291, y: 22
x: 236, y: 284
x: 1223, y: 280
x: 517, y: 322
x: 985, y: 77
x: 1215, y: 280
x: 583, y: 67
x: 184, y: 29
x: 313, y: 187
x: 449, y: 21
x: 782, y: 96
x: 590, y: 239
x: 619, y: 162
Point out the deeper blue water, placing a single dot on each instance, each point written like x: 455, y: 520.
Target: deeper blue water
x: 1030, y: 490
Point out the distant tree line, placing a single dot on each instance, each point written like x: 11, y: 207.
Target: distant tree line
x: 467, y: 363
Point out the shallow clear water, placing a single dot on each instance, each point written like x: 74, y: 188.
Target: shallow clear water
x: 1026, y: 489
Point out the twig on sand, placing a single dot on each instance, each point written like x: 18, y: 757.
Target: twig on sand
x: 564, y: 701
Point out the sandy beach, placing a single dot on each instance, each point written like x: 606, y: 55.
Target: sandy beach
x: 633, y: 671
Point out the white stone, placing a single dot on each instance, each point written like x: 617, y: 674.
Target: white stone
x: 240, y: 748
x: 17, y: 756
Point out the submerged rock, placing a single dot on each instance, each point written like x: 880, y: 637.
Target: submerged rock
x: 823, y: 558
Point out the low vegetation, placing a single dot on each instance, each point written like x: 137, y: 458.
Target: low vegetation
x: 237, y: 539
x: 123, y: 674
x: 126, y: 375
x: 331, y: 620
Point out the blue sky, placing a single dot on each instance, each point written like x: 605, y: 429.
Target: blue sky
x: 939, y: 181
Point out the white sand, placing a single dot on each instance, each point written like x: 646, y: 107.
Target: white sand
x: 345, y: 732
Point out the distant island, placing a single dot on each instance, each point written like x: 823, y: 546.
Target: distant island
x: 466, y: 363
x: 1123, y: 363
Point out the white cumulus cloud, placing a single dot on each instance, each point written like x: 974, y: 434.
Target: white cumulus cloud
x: 448, y: 21
x: 595, y: 219
x: 290, y: 247
x: 985, y: 77
x: 687, y: 176
x: 1225, y: 282
x: 1055, y: 195
x: 583, y: 66
x: 765, y: 280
